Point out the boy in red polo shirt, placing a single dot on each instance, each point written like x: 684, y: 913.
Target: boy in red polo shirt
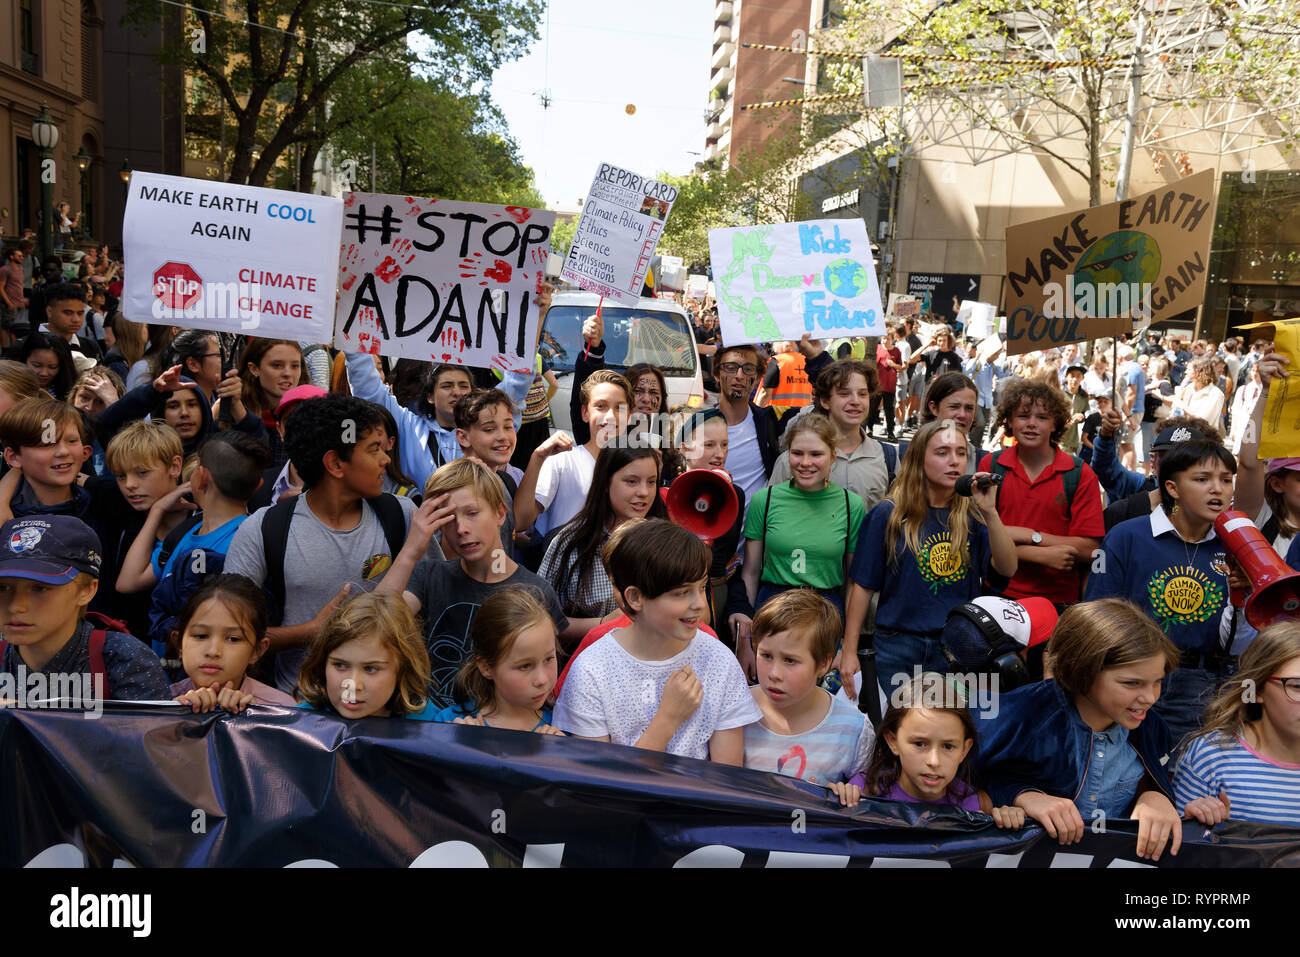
x: 1049, y: 501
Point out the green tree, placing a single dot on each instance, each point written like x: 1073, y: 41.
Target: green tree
x: 428, y: 140
x: 265, y: 75
x: 1199, y: 55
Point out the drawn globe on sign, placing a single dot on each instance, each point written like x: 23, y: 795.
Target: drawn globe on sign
x: 847, y: 278
x: 1117, y: 269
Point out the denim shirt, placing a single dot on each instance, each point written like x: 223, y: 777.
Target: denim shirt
x: 1114, y: 772
x: 1037, y: 741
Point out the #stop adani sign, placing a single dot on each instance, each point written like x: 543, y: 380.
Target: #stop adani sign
x: 177, y: 285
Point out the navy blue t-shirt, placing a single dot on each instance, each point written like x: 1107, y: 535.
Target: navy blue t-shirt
x: 1182, y: 585
x: 917, y: 591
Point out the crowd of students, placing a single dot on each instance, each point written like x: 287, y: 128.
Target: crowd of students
x: 227, y: 533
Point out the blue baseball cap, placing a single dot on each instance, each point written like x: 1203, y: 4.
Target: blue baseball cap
x: 50, y: 549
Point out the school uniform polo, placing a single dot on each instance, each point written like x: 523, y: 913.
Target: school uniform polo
x: 1041, y: 505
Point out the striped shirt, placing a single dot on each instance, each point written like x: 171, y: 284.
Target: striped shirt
x: 1258, y: 788
x: 831, y: 752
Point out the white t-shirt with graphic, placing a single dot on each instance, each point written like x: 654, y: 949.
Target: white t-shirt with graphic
x: 610, y: 692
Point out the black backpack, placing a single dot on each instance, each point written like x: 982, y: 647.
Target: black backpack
x: 275, y: 540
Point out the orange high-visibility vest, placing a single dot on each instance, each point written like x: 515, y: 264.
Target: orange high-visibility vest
x: 794, y: 390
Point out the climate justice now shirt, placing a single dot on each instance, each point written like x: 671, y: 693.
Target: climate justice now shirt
x: 917, y: 590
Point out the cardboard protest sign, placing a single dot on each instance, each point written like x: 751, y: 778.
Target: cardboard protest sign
x: 901, y: 306
x: 1100, y: 271
x: 1280, y: 435
x: 781, y: 281
x: 615, y: 240
x: 242, y: 259
x: 697, y: 286
x: 441, y: 280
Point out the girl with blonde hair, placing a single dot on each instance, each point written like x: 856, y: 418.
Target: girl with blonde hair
x: 924, y: 550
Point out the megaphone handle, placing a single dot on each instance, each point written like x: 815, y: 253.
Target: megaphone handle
x: 1236, y: 594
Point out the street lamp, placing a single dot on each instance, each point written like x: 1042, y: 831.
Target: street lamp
x: 46, y: 136
x: 83, y: 164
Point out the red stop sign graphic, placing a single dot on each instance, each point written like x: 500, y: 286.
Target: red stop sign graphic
x: 177, y: 285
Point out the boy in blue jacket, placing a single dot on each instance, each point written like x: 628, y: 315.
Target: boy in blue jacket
x: 1085, y: 745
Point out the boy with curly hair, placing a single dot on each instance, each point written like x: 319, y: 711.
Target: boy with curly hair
x: 1049, y: 500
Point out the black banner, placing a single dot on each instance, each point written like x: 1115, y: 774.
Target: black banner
x: 276, y: 786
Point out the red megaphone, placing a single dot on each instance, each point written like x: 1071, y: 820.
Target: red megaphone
x: 1276, y: 585
x: 702, y: 501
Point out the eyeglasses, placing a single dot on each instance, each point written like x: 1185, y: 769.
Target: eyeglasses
x: 1290, y: 685
x: 731, y: 368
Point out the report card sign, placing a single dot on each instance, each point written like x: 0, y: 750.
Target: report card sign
x: 240, y: 259
x: 616, y: 236
x: 1100, y: 271
x: 781, y: 281
x: 440, y: 280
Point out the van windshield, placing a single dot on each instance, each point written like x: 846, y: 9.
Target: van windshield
x: 632, y: 335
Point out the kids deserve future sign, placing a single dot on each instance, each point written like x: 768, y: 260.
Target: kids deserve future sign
x: 615, y: 239
x: 1101, y: 271
x: 230, y: 258
x: 441, y: 280
x: 781, y: 281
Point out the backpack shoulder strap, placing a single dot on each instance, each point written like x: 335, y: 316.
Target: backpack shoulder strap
x: 97, y: 639
x: 891, y: 460
x: 1071, y: 482
x: 508, y: 481
x: 1269, y: 531
x: 848, y: 528
x: 767, y: 507
x: 393, y: 520
x: 174, y: 538
x: 275, y: 539
x: 997, y: 468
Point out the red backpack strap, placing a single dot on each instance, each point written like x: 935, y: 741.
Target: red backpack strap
x: 98, y: 637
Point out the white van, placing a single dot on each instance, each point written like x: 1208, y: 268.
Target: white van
x: 657, y: 331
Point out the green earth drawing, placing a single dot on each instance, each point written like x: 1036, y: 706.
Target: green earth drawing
x: 847, y: 279
x: 755, y: 319
x: 1122, y: 258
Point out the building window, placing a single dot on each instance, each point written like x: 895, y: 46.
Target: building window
x: 27, y: 34
x: 832, y: 14
x: 89, y: 51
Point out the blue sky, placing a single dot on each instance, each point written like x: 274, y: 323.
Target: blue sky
x: 603, y: 55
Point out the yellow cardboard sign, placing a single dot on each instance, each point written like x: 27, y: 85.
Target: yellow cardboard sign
x: 1280, y: 436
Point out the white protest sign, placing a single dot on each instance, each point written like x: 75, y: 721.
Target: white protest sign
x: 440, y: 280
x: 781, y: 281
x: 616, y: 237
x: 987, y: 349
x: 697, y: 286
x: 209, y: 255
x: 976, y: 318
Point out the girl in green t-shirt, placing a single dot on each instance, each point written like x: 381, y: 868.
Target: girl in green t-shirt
x: 800, y: 533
